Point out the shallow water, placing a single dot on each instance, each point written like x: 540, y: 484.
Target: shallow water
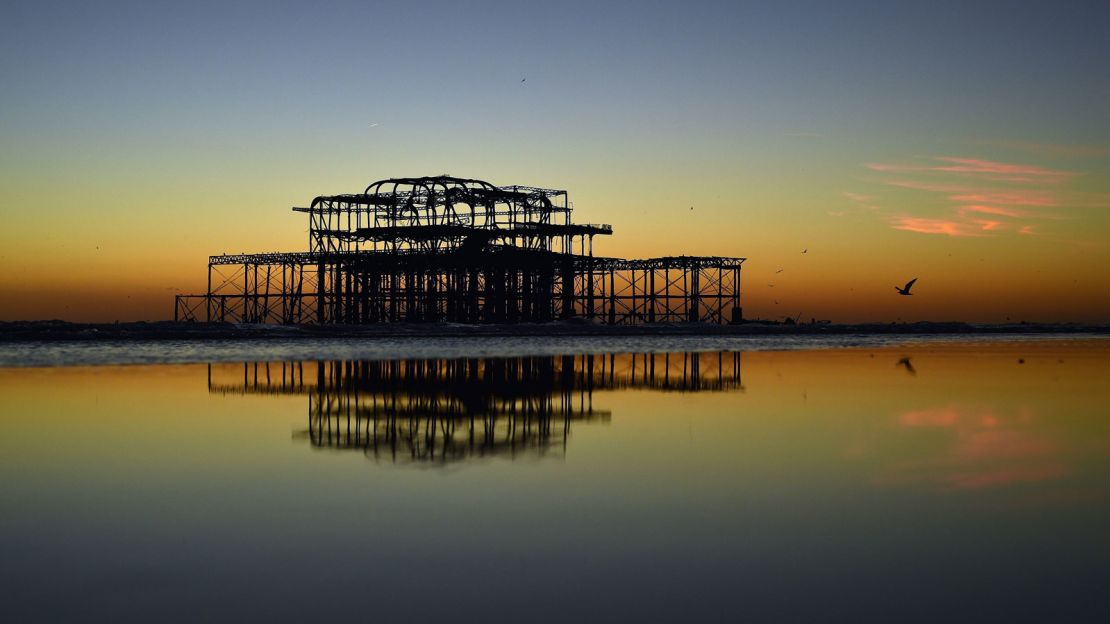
x: 101, y: 352
x: 934, y: 481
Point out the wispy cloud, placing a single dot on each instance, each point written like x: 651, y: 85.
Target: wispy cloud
x: 925, y: 225
x: 1008, y: 198
x: 1003, y: 171
x: 1056, y: 150
x: 994, y: 210
x: 980, y: 197
x: 979, y: 169
x: 866, y: 202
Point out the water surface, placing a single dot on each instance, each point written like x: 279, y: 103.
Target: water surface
x: 926, y: 482
x: 102, y: 351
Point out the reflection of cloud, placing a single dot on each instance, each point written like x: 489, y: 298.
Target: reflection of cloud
x: 984, y: 449
x: 936, y: 417
x: 1000, y: 443
x: 1007, y: 476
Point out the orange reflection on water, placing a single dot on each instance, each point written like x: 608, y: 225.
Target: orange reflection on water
x: 945, y: 418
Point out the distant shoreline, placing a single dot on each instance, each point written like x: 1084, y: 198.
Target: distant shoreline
x: 30, y: 331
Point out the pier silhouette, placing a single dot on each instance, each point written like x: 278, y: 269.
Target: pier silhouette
x: 440, y: 248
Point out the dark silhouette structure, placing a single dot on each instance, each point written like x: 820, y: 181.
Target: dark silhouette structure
x: 442, y: 411
x: 458, y: 250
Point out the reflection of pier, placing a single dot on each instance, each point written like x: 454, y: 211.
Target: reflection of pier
x: 445, y: 410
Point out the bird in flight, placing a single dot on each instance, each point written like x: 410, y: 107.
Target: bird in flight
x: 374, y: 125
x: 905, y: 363
x: 779, y: 271
x: 523, y: 79
x: 905, y: 290
x: 806, y: 250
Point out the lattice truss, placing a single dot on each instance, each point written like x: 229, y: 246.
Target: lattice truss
x: 459, y: 250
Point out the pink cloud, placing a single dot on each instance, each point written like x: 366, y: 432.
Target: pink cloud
x: 931, y: 186
x: 1008, y: 198
x: 994, y: 210
x: 987, y: 225
x: 886, y: 167
x: 1024, y: 173
x: 986, y: 169
x: 983, y: 197
x: 924, y: 225
x: 861, y: 200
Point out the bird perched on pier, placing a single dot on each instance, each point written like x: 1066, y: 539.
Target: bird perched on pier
x: 905, y: 290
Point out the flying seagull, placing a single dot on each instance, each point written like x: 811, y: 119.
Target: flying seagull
x: 806, y: 250
x: 523, y: 79
x: 906, y: 364
x: 374, y: 125
x: 906, y: 289
x: 779, y: 271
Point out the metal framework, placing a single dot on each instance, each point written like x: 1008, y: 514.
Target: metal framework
x: 446, y: 410
x: 458, y: 250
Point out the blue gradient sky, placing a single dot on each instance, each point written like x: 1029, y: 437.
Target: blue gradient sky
x: 137, y: 138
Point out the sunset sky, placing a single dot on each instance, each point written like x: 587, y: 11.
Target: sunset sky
x: 963, y: 143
